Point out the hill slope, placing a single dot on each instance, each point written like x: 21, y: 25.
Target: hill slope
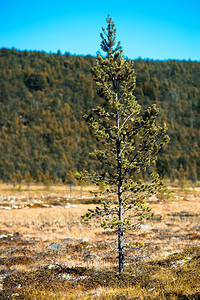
x: 43, y: 97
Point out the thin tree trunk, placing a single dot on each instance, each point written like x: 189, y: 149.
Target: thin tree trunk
x: 121, y: 212
x: 120, y: 199
x: 121, y: 234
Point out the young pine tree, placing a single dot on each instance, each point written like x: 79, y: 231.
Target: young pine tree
x: 130, y: 139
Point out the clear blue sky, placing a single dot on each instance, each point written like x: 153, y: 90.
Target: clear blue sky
x: 155, y: 29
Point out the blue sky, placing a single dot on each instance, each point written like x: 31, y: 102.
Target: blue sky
x: 148, y: 29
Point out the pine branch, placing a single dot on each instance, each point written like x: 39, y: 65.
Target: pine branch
x: 126, y: 120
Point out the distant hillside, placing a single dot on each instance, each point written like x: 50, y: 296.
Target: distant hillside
x: 43, y: 97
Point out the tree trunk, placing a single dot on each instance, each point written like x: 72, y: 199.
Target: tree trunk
x: 121, y: 213
x: 120, y: 199
x: 121, y: 237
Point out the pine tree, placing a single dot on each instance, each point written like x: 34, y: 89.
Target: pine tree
x: 130, y: 142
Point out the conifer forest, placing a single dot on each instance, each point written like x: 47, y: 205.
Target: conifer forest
x: 43, y: 98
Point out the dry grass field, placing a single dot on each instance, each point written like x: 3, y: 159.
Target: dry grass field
x: 48, y: 252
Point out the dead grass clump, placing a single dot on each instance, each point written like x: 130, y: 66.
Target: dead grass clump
x: 15, y: 260
x: 180, y: 257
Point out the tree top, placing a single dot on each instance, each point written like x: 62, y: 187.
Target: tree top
x: 109, y: 39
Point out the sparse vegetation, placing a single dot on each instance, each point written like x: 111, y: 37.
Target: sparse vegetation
x: 47, y: 252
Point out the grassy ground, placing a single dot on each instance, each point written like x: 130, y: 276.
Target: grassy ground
x: 47, y: 252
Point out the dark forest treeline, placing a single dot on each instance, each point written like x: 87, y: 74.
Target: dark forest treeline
x: 43, y: 97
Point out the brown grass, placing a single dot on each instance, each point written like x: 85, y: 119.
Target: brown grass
x: 44, y: 228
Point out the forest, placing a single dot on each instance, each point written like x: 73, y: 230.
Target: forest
x: 43, y: 98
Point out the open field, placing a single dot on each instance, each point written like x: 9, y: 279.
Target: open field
x: 48, y: 252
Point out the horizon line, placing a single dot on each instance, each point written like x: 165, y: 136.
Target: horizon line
x: 85, y: 55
